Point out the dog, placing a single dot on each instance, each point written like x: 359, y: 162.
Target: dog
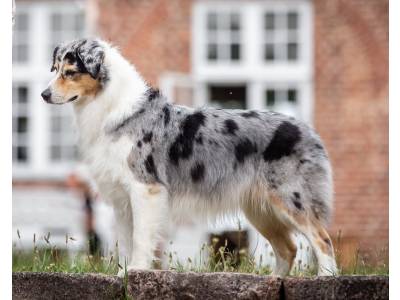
x: 151, y: 158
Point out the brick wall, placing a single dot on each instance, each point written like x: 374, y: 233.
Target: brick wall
x: 351, y: 91
x: 154, y: 34
x: 351, y: 112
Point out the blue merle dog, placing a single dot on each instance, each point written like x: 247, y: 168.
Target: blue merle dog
x: 153, y: 159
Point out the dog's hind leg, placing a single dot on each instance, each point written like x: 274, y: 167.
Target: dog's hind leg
x: 279, y: 234
x: 321, y: 244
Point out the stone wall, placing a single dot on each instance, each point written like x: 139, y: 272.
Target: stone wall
x: 173, y: 285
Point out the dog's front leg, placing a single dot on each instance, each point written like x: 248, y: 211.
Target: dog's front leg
x: 150, y: 216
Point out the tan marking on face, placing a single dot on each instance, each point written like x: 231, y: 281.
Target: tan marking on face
x: 80, y: 84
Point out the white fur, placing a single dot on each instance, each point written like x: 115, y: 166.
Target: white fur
x: 138, y: 212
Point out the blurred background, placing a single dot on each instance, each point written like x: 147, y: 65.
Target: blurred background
x: 325, y: 62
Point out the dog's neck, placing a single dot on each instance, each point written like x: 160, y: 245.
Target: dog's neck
x: 121, y: 96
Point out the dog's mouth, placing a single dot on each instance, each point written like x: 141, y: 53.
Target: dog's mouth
x: 73, y: 98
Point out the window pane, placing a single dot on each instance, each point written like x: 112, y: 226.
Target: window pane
x: 212, y: 21
x: 21, y: 22
x: 22, y: 124
x: 56, y: 22
x: 235, y: 51
x: 292, y: 95
x: 292, y: 19
x: 228, y: 96
x: 269, y: 21
x: 270, y: 97
x: 292, y: 51
x: 20, y: 53
x: 269, y: 52
x: 22, y: 94
x: 22, y: 154
x: 56, y: 124
x: 79, y: 22
x: 235, y: 22
x: 212, y: 52
x: 55, y: 153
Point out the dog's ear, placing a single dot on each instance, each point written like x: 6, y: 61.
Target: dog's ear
x: 90, y: 56
x: 55, y: 52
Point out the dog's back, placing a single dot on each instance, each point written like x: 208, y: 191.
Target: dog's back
x: 221, y: 157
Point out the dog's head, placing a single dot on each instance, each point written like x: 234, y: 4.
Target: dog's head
x: 79, y: 72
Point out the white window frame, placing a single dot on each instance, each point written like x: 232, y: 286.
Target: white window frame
x: 36, y: 75
x: 252, y: 67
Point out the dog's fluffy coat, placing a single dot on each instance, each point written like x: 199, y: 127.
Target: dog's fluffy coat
x: 150, y: 158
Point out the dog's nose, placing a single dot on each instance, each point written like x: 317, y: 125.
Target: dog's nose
x: 46, y: 95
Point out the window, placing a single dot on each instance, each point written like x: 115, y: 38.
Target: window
x: 283, y: 100
x: 273, y: 57
x: 62, y: 135
x: 281, y: 35
x: 43, y: 135
x: 66, y: 26
x: 20, y: 51
x: 227, y: 96
x: 20, y: 124
x: 223, y: 36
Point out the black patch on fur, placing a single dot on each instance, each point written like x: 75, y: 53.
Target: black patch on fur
x: 230, y: 127
x: 243, y: 149
x: 282, y: 144
x: 199, y: 139
x: 70, y: 57
x: 296, y: 201
x: 141, y: 111
x: 139, y: 144
x: 167, y: 115
x: 54, y: 58
x: 197, y: 172
x: 250, y: 114
x: 298, y: 204
x: 318, y: 146
x: 152, y: 94
x: 303, y: 161
x: 147, y: 137
x: 150, y: 166
x: 328, y: 242
x: 215, y: 116
x: 182, y: 147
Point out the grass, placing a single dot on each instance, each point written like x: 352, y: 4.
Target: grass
x: 51, y: 259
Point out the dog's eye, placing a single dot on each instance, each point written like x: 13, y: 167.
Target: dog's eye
x: 70, y: 73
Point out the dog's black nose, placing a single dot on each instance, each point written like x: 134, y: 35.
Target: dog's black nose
x: 46, y: 95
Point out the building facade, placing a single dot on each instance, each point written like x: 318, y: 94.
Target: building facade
x: 325, y: 62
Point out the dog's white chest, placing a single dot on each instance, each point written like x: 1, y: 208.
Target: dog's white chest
x: 107, y: 160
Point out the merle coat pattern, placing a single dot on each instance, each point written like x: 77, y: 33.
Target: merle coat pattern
x: 151, y: 159
x: 201, y: 153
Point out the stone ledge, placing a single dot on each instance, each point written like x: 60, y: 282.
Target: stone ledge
x: 27, y: 285
x: 341, y: 287
x: 174, y: 285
